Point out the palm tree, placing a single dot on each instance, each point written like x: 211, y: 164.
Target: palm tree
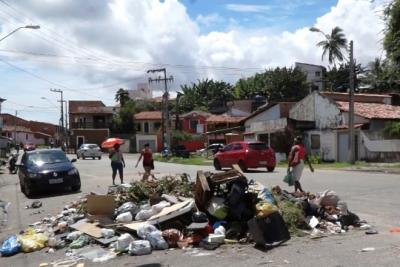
x: 122, y: 96
x: 333, y: 45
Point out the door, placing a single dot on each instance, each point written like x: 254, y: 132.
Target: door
x: 343, y: 147
x: 79, y: 141
x: 236, y: 154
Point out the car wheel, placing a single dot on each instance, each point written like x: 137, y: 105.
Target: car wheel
x: 29, y: 192
x: 77, y: 156
x: 99, y: 158
x: 83, y: 157
x: 242, y: 166
x: 94, y: 158
x: 217, y: 165
x: 76, y: 188
x: 22, y: 187
x: 270, y: 169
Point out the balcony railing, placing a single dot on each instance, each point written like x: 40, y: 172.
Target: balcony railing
x: 89, y: 125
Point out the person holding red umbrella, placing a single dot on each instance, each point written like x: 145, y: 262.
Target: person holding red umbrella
x: 117, y: 163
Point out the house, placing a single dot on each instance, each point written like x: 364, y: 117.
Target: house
x: 223, y: 129
x: 32, y: 132
x: 315, y: 75
x: 324, y: 124
x: 148, y: 129
x: 89, y: 122
x: 194, y: 122
x: 268, y: 121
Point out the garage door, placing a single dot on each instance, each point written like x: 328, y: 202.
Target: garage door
x: 152, y: 144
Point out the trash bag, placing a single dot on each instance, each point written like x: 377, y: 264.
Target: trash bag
x: 10, y: 246
x: 128, y: 207
x: 124, y: 217
x: 289, y: 178
x: 139, y: 247
x: 82, y: 241
x: 156, y: 240
x: 107, y: 233
x: 123, y: 242
x: 32, y: 241
x: 145, y: 229
x: 328, y: 198
x: 74, y: 235
x: 264, y: 209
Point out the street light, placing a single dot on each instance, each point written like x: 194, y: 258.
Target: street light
x: 48, y: 100
x: 32, y: 27
x: 351, y: 96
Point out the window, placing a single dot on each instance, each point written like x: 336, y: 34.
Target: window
x: 157, y: 125
x: 26, y: 136
x: 138, y: 127
x: 315, y: 141
x: 258, y: 146
x: 237, y: 147
x: 317, y: 74
x: 193, y: 124
x: 146, y: 127
x: 228, y: 148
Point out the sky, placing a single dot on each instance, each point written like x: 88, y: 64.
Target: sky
x: 91, y: 48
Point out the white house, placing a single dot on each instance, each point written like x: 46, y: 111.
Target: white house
x: 315, y: 75
x: 324, y: 123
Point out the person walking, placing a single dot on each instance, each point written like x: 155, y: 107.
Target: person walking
x: 117, y: 163
x: 297, y: 157
x: 148, y: 162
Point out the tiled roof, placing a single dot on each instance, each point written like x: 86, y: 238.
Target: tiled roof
x: 372, y: 110
x: 148, y: 115
x: 364, y: 98
x: 223, y: 119
x: 75, y: 104
x: 93, y: 110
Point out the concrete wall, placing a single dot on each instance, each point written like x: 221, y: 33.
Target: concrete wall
x: 271, y: 114
x: 304, y: 110
x: 328, y: 144
x: 27, y: 138
x: 92, y: 136
x: 311, y: 73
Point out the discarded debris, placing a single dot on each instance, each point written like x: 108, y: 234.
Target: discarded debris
x: 367, y: 249
x: 34, y: 205
x: 172, y: 212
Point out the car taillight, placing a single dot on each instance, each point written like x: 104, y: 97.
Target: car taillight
x: 246, y: 150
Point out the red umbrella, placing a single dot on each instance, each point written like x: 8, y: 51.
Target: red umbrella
x: 110, y: 142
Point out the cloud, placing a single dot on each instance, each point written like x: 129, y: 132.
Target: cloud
x: 248, y: 8
x: 98, y: 43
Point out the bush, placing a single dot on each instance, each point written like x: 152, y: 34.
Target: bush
x: 315, y: 159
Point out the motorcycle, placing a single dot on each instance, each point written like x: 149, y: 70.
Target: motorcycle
x: 12, y: 163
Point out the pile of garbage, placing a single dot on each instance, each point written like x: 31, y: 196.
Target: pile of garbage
x: 173, y: 212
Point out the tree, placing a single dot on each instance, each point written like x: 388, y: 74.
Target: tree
x: 207, y: 95
x: 122, y: 96
x: 279, y: 84
x: 333, y: 45
x: 123, y: 121
x: 337, y: 78
x: 391, y: 41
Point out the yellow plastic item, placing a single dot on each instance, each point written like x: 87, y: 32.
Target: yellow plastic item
x: 264, y: 209
x: 32, y: 241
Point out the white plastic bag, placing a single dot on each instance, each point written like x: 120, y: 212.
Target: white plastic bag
x: 107, y: 233
x: 124, y: 217
x: 145, y: 229
x: 139, y: 247
x: 73, y: 235
x: 123, y: 242
x: 156, y: 240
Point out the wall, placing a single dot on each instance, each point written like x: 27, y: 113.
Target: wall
x: 272, y: 113
x: 152, y: 129
x: 94, y: 136
x: 304, y: 110
x: 357, y: 119
x: 327, y: 114
x: 328, y: 144
x: 186, y: 124
x: 21, y: 138
x: 310, y: 70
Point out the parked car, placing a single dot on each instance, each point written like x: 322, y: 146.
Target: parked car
x: 89, y: 151
x: 29, y: 147
x: 180, y: 151
x: 246, y: 155
x: 46, y: 169
x: 211, y: 149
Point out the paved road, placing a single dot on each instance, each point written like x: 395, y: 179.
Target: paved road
x: 372, y: 196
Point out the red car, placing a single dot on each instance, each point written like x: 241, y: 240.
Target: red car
x: 246, y: 155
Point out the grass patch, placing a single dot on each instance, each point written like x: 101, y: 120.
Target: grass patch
x: 328, y: 165
x: 193, y: 160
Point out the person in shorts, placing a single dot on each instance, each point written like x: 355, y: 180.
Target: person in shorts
x: 148, y: 162
x: 117, y: 163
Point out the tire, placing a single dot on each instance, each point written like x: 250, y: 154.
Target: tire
x: 242, y: 165
x: 22, y: 187
x: 83, y: 157
x: 99, y: 158
x: 28, y: 191
x: 77, y: 156
x: 270, y: 169
x: 217, y: 165
x: 94, y: 158
x: 76, y: 188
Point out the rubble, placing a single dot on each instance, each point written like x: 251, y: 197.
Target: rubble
x: 173, y: 212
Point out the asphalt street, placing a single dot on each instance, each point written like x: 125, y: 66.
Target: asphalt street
x: 372, y: 196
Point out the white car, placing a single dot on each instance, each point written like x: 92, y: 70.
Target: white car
x: 89, y: 151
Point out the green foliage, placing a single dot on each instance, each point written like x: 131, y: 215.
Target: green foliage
x: 123, y: 121
x: 315, y: 159
x: 293, y: 216
x: 333, y: 45
x: 181, y: 136
x: 279, y: 84
x: 382, y: 76
x: 393, y: 129
x: 391, y: 41
x: 205, y: 95
x: 337, y: 78
x: 122, y: 96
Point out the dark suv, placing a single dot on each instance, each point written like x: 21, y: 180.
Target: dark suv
x: 180, y: 151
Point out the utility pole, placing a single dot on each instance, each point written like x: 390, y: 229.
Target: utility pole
x: 62, y: 114
x: 66, y: 123
x: 15, y: 127
x: 351, y: 108
x: 165, y: 124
